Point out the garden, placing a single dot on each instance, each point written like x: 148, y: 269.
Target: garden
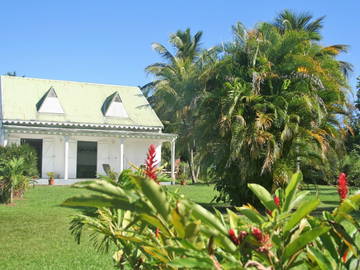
x: 268, y: 144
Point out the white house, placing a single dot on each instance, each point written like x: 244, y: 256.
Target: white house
x: 77, y: 127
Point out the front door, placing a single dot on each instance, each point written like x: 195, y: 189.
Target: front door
x: 37, y: 145
x: 86, y: 159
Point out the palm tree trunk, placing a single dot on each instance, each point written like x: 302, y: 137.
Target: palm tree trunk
x: 11, y: 194
x: 191, y: 164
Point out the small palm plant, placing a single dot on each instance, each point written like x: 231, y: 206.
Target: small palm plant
x: 13, y: 179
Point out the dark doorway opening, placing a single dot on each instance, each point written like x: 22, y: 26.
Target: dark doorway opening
x: 37, y: 144
x: 86, y: 159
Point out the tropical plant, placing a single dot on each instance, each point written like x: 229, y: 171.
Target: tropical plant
x: 274, y: 107
x: 21, y: 151
x: 288, y: 20
x: 153, y: 228
x: 157, y: 229
x: 180, y: 82
x: 13, y: 181
x: 18, y: 165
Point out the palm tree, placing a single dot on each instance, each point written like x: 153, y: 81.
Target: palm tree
x: 289, y: 20
x: 178, y: 82
x: 276, y: 93
x: 13, y: 177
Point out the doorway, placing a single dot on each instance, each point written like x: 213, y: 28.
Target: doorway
x: 86, y: 159
x: 37, y: 145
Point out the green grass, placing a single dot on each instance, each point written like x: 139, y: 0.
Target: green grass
x: 34, y: 232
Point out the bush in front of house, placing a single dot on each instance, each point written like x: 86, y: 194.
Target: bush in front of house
x: 18, y: 165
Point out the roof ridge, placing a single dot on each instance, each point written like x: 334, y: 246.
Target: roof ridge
x: 75, y: 82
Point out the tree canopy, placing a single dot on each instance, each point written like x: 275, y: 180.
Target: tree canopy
x: 257, y: 108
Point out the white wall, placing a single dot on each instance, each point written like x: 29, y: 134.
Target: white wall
x: 108, y: 152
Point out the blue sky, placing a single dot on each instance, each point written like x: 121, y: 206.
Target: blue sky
x: 110, y: 41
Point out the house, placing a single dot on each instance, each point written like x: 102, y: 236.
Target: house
x: 78, y: 127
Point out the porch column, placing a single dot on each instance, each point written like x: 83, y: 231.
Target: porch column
x: 66, y: 158
x: 121, y: 155
x: 173, y: 161
x: 5, y: 137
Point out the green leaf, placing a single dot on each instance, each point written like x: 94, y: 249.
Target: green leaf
x: 329, y: 245
x: 206, y: 217
x: 346, y: 238
x: 192, y: 229
x: 252, y: 214
x: 298, y: 199
x: 158, y: 253
x: 320, y: 259
x: 102, y: 186
x: 178, y: 224
x: 303, y: 240
x: 347, y: 206
x: 99, y: 201
x: 291, y: 189
x: 205, y: 263
x: 154, y: 221
x: 233, y: 218
x: 306, y: 208
x: 263, y: 195
x: 155, y: 194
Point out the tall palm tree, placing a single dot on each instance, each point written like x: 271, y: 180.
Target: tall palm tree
x: 276, y: 93
x: 178, y: 83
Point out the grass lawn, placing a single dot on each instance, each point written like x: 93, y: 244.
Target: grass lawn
x: 34, y: 232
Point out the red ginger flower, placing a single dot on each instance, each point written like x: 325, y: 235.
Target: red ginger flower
x: 277, y: 201
x: 150, y: 163
x: 257, y: 233
x: 233, y: 237
x: 342, y: 186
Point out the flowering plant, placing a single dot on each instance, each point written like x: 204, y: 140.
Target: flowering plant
x: 151, y: 163
x: 163, y: 230
x: 342, y: 186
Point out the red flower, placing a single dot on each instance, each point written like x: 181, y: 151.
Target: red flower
x: 150, y: 163
x: 342, y: 186
x: 257, y: 233
x: 277, y: 201
x: 157, y: 233
x: 233, y: 237
x: 344, y: 256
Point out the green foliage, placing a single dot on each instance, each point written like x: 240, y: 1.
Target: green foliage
x: 163, y: 230
x: 256, y: 108
x: 351, y: 166
x: 273, y: 106
x: 18, y: 164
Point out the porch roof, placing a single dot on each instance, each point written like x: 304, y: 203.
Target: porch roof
x: 88, y: 132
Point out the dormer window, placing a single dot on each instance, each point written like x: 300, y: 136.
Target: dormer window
x: 49, y: 103
x: 113, y: 107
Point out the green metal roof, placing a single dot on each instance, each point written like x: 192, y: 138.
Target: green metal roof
x: 81, y: 102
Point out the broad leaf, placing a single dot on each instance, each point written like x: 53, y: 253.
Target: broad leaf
x: 306, y: 208
x: 291, y: 189
x: 155, y: 194
x: 252, y: 214
x: 263, y: 195
x: 303, y: 240
x: 322, y: 261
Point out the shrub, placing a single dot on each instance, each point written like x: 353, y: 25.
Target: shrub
x: 18, y: 164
